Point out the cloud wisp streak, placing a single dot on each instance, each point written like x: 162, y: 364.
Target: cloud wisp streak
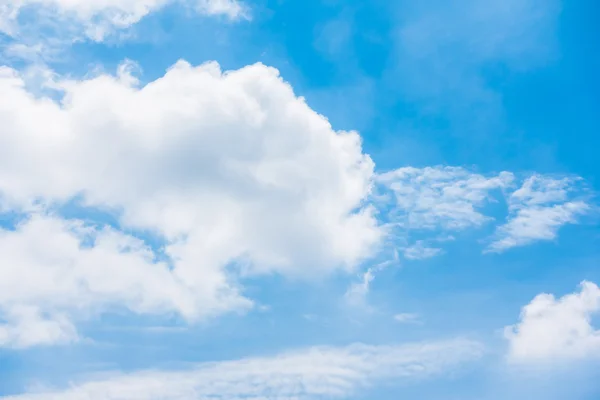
x: 308, y: 374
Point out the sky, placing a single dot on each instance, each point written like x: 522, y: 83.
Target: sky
x: 299, y: 200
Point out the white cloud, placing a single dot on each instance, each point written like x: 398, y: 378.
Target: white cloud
x: 308, y: 374
x: 540, y: 190
x: 356, y: 295
x: 445, y: 198
x: 26, y: 327
x: 94, y: 19
x: 234, y: 161
x: 53, y: 270
x: 228, y: 168
x: 231, y: 8
x: 552, y: 329
x: 538, y: 223
x: 357, y: 292
x: 537, y: 211
x: 420, y: 251
x: 236, y: 175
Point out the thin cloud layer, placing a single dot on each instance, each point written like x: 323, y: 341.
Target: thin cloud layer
x: 447, y: 198
x: 98, y: 18
x: 42, y: 31
x: 538, y: 210
x: 442, y: 200
x: 420, y: 251
x: 407, y: 318
x: 554, y: 329
x: 309, y: 374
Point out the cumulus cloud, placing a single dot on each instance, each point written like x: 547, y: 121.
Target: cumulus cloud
x: 537, y: 211
x: 53, y: 270
x: 26, y: 326
x: 308, y: 374
x: 557, y: 329
x: 232, y: 171
x: 227, y: 168
x: 234, y: 160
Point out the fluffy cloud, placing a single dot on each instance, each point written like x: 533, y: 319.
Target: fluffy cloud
x: 227, y: 168
x: 537, y: 210
x: 26, y: 326
x: 235, y: 174
x: 233, y: 161
x: 53, y: 270
x: 553, y: 328
x: 308, y: 374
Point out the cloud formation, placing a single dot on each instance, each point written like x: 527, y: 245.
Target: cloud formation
x: 55, y: 270
x: 98, y: 18
x: 232, y: 171
x: 446, y: 198
x: 537, y: 211
x: 308, y: 374
x: 553, y: 329
x: 234, y: 174
x: 420, y: 251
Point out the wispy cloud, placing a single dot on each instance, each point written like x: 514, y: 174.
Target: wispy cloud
x: 308, y: 374
x: 537, y: 211
x: 38, y: 29
x: 447, y: 198
x: 28, y: 326
x: 248, y: 192
x: 357, y: 292
x: 407, y: 318
x: 50, y: 276
x: 428, y: 202
x: 420, y: 251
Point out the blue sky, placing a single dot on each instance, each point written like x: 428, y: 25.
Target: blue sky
x: 278, y: 199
